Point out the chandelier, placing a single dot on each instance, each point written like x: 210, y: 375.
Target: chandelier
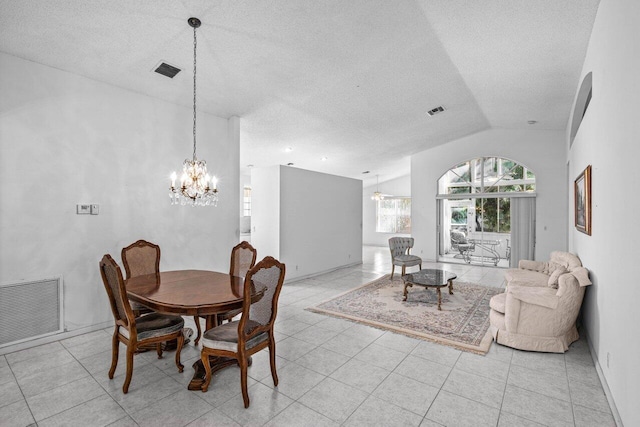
x: 377, y: 195
x: 196, y: 188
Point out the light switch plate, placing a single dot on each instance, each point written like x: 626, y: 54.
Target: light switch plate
x: 95, y: 209
x: 83, y: 209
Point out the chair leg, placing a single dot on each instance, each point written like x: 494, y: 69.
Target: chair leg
x: 393, y: 267
x: 199, y: 331
x: 420, y: 266
x: 404, y: 270
x: 159, y: 350
x: 130, y: 351
x: 207, y: 371
x: 178, y: 350
x: 115, y: 350
x: 272, y: 360
x: 242, y: 359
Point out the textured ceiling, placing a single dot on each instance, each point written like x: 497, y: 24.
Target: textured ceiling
x: 349, y: 80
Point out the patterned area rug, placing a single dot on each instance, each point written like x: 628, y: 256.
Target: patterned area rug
x: 463, y: 322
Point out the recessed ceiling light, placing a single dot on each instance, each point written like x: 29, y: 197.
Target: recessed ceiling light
x: 288, y: 149
x: 365, y: 172
x: 249, y: 166
x: 325, y: 158
x: 532, y: 122
x: 289, y: 164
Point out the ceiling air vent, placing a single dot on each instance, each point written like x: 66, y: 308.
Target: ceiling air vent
x: 435, y: 111
x: 167, y: 70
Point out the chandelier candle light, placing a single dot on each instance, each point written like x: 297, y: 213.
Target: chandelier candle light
x: 197, y: 188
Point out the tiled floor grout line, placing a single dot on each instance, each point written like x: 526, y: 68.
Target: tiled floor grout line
x: 504, y: 391
x: 20, y: 388
x: 440, y: 388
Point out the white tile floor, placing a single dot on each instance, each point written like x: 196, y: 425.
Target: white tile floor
x: 332, y: 372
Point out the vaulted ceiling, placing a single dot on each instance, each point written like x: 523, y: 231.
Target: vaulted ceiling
x: 347, y: 80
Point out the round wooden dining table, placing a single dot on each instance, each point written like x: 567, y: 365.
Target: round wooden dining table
x: 187, y: 292
x: 191, y: 293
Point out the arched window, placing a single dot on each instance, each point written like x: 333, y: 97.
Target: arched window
x: 583, y: 100
x: 486, y: 175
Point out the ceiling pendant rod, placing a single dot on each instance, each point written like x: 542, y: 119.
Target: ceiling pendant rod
x: 195, y: 23
x: 377, y: 195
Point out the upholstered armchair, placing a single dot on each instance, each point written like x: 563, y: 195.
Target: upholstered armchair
x: 538, y: 311
x: 400, y: 248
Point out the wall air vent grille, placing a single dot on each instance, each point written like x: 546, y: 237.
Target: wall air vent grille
x: 435, y: 111
x: 30, y: 310
x: 167, y: 70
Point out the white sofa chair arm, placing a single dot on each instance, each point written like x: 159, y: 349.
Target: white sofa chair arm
x: 544, y: 297
x: 529, y: 318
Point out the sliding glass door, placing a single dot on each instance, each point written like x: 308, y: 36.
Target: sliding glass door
x: 475, y: 230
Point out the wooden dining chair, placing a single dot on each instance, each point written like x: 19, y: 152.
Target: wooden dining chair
x: 134, y: 333
x: 140, y: 258
x: 240, y: 339
x: 243, y: 257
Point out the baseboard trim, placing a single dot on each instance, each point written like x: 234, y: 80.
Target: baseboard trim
x: 603, y: 381
x: 53, y: 338
x: 319, y: 273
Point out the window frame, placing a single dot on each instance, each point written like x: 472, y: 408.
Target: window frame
x: 471, y: 174
x: 246, y: 201
x: 397, y: 215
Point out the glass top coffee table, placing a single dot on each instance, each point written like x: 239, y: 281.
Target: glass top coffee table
x: 429, y: 278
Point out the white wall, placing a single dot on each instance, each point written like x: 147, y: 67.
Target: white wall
x: 265, y: 215
x: 608, y: 140
x: 541, y: 151
x: 66, y: 140
x: 396, y: 187
x: 320, y: 221
x: 311, y: 221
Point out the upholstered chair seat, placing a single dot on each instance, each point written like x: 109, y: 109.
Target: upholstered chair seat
x: 225, y: 337
x: 407, y: 260
x: 154, y: 325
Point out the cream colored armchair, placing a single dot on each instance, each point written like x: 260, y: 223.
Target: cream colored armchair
x: 540, y: 314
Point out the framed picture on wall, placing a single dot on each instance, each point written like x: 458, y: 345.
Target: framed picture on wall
x: 582, y: 197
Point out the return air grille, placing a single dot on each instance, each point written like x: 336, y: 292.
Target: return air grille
x: 30, y: 310
x: 435, y: 111
x: 167, y: 70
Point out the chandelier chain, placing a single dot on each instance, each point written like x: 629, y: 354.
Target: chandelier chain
x: 195, y: 44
